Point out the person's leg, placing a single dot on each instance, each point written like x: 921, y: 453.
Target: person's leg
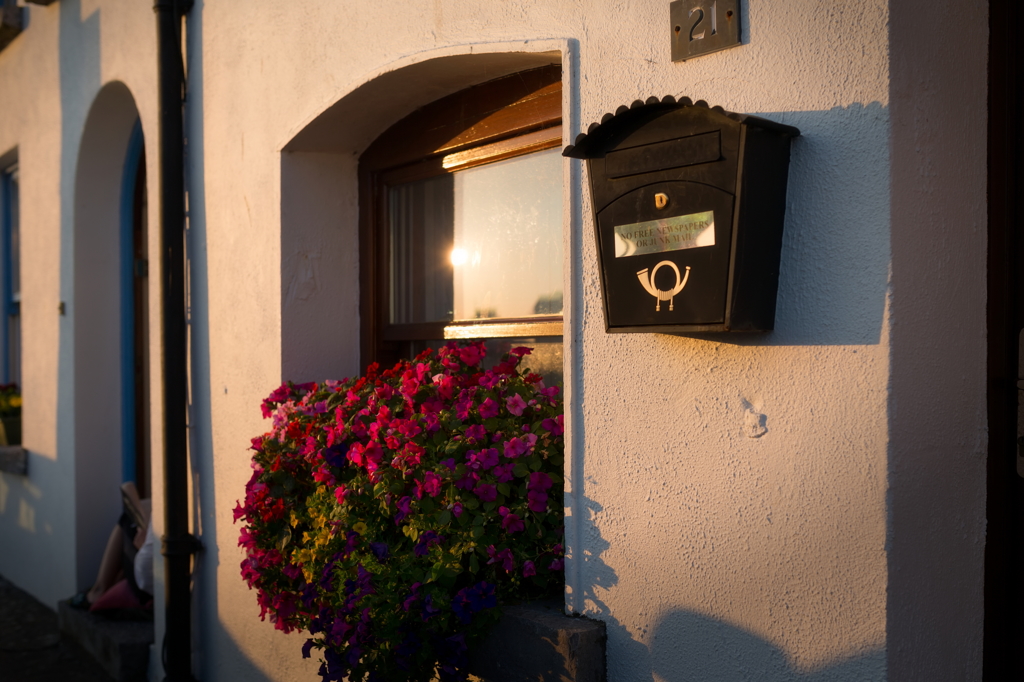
x: 110, y: 566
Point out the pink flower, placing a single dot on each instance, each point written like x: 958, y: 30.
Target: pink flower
x: 457, y: 509
x: 515, y: 404
x: 488, y: 409
x: 339, y: 494
x: 557, y: 565
x: 529, y: 569
x: 515, y: 448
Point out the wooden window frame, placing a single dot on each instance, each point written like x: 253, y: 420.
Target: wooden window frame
x: 500, y: 119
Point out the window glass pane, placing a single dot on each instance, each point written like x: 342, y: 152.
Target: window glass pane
x: 420, y: 217
x: 507, y: 252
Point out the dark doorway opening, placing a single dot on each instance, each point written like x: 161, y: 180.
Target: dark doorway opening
x: 1004, y: 549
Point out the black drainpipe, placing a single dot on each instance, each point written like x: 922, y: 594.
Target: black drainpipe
x: 177, y: 544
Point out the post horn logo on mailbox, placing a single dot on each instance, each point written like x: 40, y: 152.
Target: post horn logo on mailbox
x: 661, y: 294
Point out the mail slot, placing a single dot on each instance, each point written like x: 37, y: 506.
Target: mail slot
x: 689, y: 204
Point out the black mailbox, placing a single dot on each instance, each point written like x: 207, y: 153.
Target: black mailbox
x: 689, y: 203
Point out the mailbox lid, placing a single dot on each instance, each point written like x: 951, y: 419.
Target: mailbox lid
x: 647, y: 252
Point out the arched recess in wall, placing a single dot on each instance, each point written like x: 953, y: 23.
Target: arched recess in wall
x: 107, y: 215
x: 319, y: 201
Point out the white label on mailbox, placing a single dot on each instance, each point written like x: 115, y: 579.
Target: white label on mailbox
x: 665, y: 234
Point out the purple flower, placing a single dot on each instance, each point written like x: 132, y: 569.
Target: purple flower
x: 502, y: 473
x: 413, y: 597
x: 306, y: 647
x: 426, y: 541
x: 529, y: 569
x: 486, y: 492
x: 557, y: 565
x: 380, y: 550
x: 537, y: 501
x: 457, y: 509
x: 335, y: 455
x: 403, y: 509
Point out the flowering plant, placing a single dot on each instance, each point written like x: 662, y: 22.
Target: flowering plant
x: 10, y: 400
x: 390, y: 515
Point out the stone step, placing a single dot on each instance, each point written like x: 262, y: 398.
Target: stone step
x: 120, y: 646
x: 537, y: 641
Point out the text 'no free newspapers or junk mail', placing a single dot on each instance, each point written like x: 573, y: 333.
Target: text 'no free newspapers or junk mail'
x: 665, y: 234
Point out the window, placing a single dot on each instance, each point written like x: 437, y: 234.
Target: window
x: 10, y: 250
x: 461, y: 234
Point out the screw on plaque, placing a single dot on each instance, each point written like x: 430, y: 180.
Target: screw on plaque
x: 660, y: 200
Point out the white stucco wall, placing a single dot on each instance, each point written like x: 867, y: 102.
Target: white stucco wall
x: 740, y: 507
x: 50, y: 78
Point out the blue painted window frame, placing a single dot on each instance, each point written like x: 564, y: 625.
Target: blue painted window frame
x: 10, y: 257
x: 127, y: 258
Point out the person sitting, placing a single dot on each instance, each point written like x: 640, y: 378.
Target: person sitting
x: 125, y: 576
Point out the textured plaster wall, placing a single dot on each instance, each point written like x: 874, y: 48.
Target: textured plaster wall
x: 50, y: 77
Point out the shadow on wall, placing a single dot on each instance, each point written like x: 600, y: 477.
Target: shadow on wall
x: 834, y: 274
x: 687, y: 646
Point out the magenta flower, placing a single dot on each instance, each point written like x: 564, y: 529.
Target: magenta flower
x: 457, y: 509
x: 557, y: 565
x: 504, y: 557
x: 432, y: 483
x: 489, y: 409
x: 485, y: 459
x: 512, y: 523
x: 529, y: 569
x: 515, y: 404
x: 553, y: 426
x: 503, y: 473
x: 476, y: 432
x: 472, y: 355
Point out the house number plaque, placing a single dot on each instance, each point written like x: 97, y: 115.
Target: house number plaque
x: 701, y: 27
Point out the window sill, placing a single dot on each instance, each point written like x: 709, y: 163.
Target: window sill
x: 503, y: 330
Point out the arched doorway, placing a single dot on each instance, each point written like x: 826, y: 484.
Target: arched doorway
x: 110, y: 320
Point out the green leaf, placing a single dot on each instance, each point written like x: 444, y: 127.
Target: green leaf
x: 503, y: 489
x: 471, y: 502
x: 535, y: 463
x: 444, y: 518
x: 478, y: 531
x: 474, y: 563
x: 520, y: 470
x: 490, y: 506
